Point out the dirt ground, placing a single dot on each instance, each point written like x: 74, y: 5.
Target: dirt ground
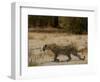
x: 36, y: 56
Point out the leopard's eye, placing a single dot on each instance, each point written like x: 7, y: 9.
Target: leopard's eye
x: 45, y: 45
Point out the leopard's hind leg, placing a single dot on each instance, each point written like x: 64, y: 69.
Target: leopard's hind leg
x: 77, y: 55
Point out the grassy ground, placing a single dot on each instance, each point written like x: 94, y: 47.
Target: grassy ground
x: 37, y: 57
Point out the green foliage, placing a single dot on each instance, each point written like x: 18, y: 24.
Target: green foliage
x: 76, y: 25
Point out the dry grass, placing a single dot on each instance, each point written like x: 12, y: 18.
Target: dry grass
x: 37, y: 57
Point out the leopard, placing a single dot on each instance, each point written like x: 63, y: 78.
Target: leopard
x: 65, y: 50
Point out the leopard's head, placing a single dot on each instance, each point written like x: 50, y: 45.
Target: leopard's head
x: 48, y: 46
